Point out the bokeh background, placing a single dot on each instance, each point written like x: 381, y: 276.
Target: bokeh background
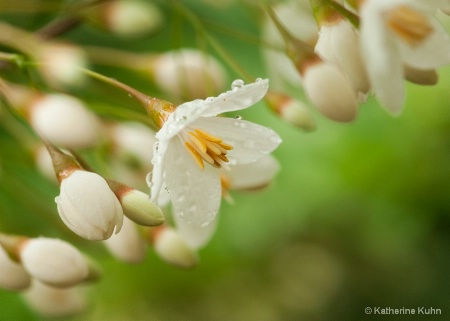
x: 358, y: 216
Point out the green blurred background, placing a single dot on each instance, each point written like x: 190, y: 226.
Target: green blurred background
x: 357, y: 217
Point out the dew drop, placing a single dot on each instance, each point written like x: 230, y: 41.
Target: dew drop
x: 238, y: 117
x: 236, y: 84
x: 258, y: 79
x: 148, y: 179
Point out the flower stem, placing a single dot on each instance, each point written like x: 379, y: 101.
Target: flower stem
x: 157, y: 109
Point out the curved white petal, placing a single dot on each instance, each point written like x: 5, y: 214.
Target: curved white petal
x: 432, y: 53
x: 157, y: 179
x: 195, y: 193
x: 240, y: 97
x: 194, y: 235
x: 384, y: 65
x: 254, y: 175
x: 250, y: 141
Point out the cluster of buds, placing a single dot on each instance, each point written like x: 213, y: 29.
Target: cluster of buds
x: 370, y: 48
x: 45, y: 270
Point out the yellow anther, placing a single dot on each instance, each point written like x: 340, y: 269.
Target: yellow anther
x: 205, y: 147
x: 409, y: 24
x: 200, y: 143
x: 195, y: 155
x: 208, y: 136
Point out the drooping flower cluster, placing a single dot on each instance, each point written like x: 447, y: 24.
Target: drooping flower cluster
x: 371, y: 48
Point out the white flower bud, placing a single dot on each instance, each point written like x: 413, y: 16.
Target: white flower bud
x: 12, y: 275
x: 189, y: 74
x: 88, y: 207
x: 60, y: 64
x: 339, y: 44
x: 330, y: 91
x: 64, y: 120
x: 172, y: 248
x: 54, y: 262
x: 131, y: 17
x: 55, y: 302
x: 127, y: 245
x: 133, y: 140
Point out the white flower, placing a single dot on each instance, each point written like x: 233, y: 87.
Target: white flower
x: 298, y: 19
x: 88, y: 207
x: 193, y: 143
x: 60, y: 63
x: 330, y: 91
x: 12, y: 276
x: 131, y: 18
x: 339, y: 44
x: 188, y: 73
x: 64, y: 120
x: 127, y: 245
x: 55, y: 302
x: 54, y: 262
x: 173, y: 249
x: 395, y: 33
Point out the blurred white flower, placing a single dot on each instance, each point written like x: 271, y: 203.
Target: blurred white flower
x: 133, y: 142
x: 192, y: 129
x: 172, y: 248
x: 88, y: 207
x: 55, y: 302
x: 60, y: 64
x: 54, y: 262
x: 298, y: 19
x: 131, y: 18
x: 330, y: 91
x: 12, y: 276
x: 395, y: 33
x: 188, y: 74
x: 339, y: 44
x: 127, y: 245
x: 64, y: 120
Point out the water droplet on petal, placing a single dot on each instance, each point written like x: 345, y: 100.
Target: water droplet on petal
x: 236, y: 84
x: 148, y: 179
x: 238, y: 117
x: 258, y: 79
x: 57, y: 199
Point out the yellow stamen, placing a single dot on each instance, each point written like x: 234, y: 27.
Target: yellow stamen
x: 198, y: 142
x: 225, y: 146
x: 205, y: 147
x: 409, y: 24
x: 208, y: 136
x: 195, y: 155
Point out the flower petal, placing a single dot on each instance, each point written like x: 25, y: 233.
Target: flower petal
x: 194, y: 235
x: 156, y: 176
x: 254, y: 175
x: 432, y: 53
x: 195, y: 193
x: 382, y: 58
x: 240, y: 97
x: 250, y: 141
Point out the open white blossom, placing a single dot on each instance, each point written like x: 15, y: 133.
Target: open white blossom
x: 88, y: 207
x: 193, y: 143
x: 395, y: 33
